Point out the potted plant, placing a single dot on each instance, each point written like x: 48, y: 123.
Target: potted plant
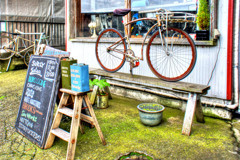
x: 150, y: 113
x: 203, y: 21
x: 102, y: 96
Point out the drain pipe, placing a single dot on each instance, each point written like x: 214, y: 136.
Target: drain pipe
x: 235, y: 54
x: 234, y: 35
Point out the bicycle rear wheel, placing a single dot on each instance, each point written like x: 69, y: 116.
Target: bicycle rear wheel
x: 110, y: 60
x: 27, y: 56
x: 9, y: 45
x: 176, y: 63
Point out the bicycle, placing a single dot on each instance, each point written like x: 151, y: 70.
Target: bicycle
x: 171, y: 52
x: 10, y: 47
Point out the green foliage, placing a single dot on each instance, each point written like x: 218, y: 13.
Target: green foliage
x: 100, y: 83
x: 203, y: 15
x: 1, y: 97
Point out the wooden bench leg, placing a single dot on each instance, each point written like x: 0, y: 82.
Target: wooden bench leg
x: 74, y: 127
x: 199, y: 111
x: 189, y: 113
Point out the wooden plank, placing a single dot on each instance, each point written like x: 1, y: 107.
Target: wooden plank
x: 182, y: 86
x: 95, y: 120
x: 64, y: 135
x: 81, y: 127
x: 189, y: 113
x: 66, y: 111
x: 199, y: 112
x: 56, y: 121
x: 87, y: 119
x: 73, y: 92
x: 74, y: 127
x: 94, y: 94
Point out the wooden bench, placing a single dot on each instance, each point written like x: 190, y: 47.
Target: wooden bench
x: 195, y: 91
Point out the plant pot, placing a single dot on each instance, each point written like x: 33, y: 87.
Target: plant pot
x: 202, y: 35
x: 102, y: 101
x: 150, y: 113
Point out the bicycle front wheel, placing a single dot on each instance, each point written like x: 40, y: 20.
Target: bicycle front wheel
x: 111, y: 60
x: 174, y: 58
x: 7, y: 47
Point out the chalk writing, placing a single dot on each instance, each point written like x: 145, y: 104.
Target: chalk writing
x: 24, y: 114
x: 37, y: 88
x: 50, y: 70
x: 38, y: 81
x: 29, y: 93
x: 38, y: 64
x: 30, y: 108
x: 35, y: 71
x: 29, y: 116
x: 26, y: 122
x: 33, y: 102
x: 30, y: 132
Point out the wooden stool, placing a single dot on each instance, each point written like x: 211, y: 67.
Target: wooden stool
x: 77, y: 117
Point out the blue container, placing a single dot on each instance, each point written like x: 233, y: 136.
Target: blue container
x: 79, y: 77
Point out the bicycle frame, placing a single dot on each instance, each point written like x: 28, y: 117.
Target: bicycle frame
x: 23, y: 40
x: 166, y: 17
x: 134, y: 21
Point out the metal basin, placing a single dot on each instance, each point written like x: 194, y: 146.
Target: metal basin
x: 150, y: 113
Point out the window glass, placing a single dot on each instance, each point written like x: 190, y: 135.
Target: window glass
x: 101, y: 6
x: 172, y: 5
x: 101, y: 22
x: 140, y: 28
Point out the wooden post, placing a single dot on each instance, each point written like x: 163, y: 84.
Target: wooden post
x: 189, y: 113
x: 74, y: 130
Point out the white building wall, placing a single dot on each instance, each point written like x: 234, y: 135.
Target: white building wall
x: 206, y: 58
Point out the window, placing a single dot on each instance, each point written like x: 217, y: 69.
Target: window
x: 83, y: 12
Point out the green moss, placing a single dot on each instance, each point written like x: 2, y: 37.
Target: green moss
x: 123, y: 132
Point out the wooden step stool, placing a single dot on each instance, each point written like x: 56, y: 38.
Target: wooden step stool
x: 77, y: 118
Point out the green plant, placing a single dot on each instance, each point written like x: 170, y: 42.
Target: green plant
x: 203, y: 15
x: 101, y: 84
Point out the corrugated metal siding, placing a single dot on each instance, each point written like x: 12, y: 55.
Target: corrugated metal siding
x: 206, y: 58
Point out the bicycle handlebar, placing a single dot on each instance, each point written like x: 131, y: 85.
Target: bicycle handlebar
x: 19, y: 32
x: 152, y: 11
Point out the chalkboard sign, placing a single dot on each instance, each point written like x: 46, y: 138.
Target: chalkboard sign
x: 38, y: 99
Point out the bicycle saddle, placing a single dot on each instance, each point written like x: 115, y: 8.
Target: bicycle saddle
x: 121, y: 12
